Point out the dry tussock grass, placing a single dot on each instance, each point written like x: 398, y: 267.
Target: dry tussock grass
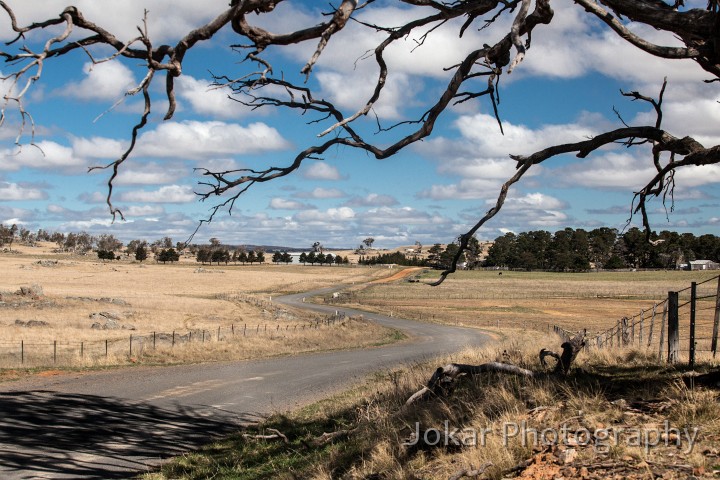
x: 151, y: 297
x: 627, y: 390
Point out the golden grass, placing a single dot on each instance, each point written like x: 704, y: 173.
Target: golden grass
x: 628, y: 393
x: 594, y: 301
x: 150, y: 297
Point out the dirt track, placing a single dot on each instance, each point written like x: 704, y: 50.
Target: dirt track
x: 399, y: 275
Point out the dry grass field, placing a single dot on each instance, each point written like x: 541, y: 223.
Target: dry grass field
x: 130, y: 298
x: 594, y: 300
x: 617, y: 415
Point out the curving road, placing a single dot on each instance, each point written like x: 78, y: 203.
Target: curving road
x: 103, y: 425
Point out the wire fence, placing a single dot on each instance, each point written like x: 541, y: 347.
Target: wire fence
x: 683, y: 327
x: 65, y: 353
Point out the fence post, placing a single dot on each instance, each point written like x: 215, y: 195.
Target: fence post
x: 716, y: 323
x: 131, y: 344
x: 106, y: 349
x: 173, y: 339
x: 652, y: 325
x: 218, y: 337
x: 662, y: 331
x: 673, y: 328
x: 154, y: 341
x: 693, y: 302
x: 22, y: 352
x: 642, y: 327
x: 54, y: 351
x: 625, y: 333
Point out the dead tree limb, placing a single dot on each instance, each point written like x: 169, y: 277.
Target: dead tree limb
x: 443, y: 376
x: 328, y: 437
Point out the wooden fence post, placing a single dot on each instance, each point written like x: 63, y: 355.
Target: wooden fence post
x: 673, y: 328
x: 716, y: 323
x: 662, y: 331
x: 652, y: 325
x: 693, y: 304
x: 625, y: 332
x: 642, y: 327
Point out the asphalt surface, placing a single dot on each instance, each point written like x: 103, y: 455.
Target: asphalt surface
x: 116, y: 424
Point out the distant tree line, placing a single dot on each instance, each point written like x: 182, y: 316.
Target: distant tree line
x: 565, y: 250
x: 314, y: 258
x: 604, y: 248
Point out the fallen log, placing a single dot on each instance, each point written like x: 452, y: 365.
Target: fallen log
x: 445, y: 375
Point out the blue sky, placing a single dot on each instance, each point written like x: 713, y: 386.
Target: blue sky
x: 564, y: 91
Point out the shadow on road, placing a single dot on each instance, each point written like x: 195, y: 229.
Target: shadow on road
x: 54, y: 435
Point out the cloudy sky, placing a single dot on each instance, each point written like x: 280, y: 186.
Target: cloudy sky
x: 564, y: 91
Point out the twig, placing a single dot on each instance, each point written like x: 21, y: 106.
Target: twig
x: 275, y: 435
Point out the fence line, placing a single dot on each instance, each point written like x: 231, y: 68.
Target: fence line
x: 24, y: 353
x: 690, y: 316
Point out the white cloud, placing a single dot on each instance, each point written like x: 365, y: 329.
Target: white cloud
x: 10, y: 215
x: 104, y: 81
x: 200, y: 140
x: 321, y: 171
x: 166, y: 21
x: 373, y: 200
x: 98, y: 147
x: 535, y: 201
x: 695, y: 176
x: 398, y: 217
x: 465, y: 189
x: 143, y: 211
x: 331, y: 215
x: 48, y: 155
x: 94, y: 197
x: 606, y: 171
x: 150, y: 174
x: 15, y: 192
x: 531, y: 211
x: 353, y: 91
x: 207, y: 100
x: 283, y: 204
x: 483, y: 132
x: 322, y: 193
x: 166, y: 194
x: 87, y: 225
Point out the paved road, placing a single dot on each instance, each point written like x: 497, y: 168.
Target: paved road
x: 113, y: 424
